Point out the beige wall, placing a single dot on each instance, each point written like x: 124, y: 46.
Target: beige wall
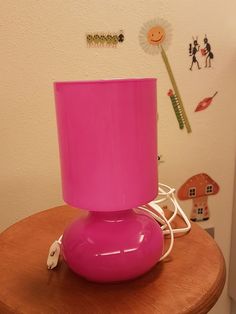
x: 44, y: 41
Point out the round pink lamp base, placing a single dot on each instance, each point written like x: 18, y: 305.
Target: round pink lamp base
x: 113, y: 246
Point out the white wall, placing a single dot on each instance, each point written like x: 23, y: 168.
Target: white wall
x: 44, y: 41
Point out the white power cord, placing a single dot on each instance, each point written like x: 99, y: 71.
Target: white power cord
x: 168, y: 193
x: 155, y: 216
x: 165, y: 194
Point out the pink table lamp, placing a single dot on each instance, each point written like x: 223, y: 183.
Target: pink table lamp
x: 108, y: 151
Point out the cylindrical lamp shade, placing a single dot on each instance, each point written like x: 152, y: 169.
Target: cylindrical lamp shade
x: 108, y: 142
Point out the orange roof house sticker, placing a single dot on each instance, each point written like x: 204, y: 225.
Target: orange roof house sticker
x: 198, y: 188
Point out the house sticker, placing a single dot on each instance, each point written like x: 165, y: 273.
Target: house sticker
x: 199, y: 188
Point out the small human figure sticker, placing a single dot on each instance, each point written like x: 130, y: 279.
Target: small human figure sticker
x: 193, y: 50
x: 206, y: 52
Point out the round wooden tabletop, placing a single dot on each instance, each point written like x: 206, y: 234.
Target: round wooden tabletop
x: 189, y: 281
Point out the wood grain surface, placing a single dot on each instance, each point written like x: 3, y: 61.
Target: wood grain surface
x: 189, y: 281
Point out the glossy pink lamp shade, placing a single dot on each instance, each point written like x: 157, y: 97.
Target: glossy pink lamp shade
x: 108, y: 142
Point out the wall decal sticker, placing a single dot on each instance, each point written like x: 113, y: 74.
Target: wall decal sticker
x: 121, y: 37
x: 155, y: 37
x: 206, y: 51
x: 104, y: 40
x: 198, y: 188
x: 177, y: 108
x: 193, y: 50
x: 205, y: 103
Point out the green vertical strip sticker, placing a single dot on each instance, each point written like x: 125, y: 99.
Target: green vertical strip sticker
x: 175, y: 87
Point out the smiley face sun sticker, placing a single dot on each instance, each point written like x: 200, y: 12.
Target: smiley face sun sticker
x: 155, y: 34
x: 154, y: 37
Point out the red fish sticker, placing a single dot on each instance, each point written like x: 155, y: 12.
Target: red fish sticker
x: 205, y: 103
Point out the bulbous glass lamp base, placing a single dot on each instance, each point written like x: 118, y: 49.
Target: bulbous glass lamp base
x: 113, y: 246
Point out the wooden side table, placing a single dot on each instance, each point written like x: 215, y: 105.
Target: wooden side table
x: 189, y: 281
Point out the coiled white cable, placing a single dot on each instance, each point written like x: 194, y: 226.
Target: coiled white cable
x: 155, y: 216
x: 167, y: 194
